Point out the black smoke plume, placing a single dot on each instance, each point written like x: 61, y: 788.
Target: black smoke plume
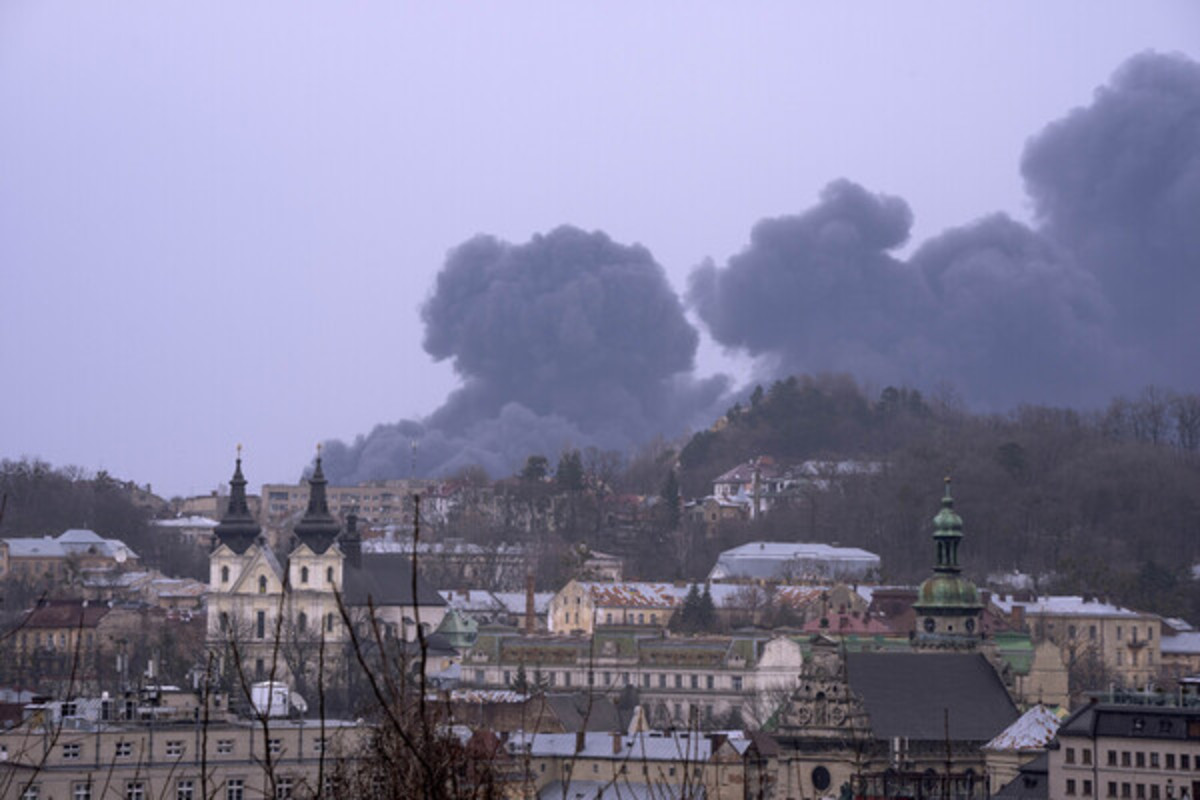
x: 568, y: 340
x: 1102, y: 296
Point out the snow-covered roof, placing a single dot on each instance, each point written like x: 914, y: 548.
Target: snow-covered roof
x: 636, y: 747
x: 480, y: 600
x: 1034, y: 730
x: 1065, y: 605
x: 186, y: 522
x: 1181, y: 644
x: 76, y: 541
x: 766, y: 560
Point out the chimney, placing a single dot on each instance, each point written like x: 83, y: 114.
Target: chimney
x: 616, y: 740
x: 580, y: 738
x: 530, y: 616
x: 351, y: 543
x: 1018, y: 617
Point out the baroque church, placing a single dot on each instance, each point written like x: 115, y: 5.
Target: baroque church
x: 905, y: 722
x: 287, y: 621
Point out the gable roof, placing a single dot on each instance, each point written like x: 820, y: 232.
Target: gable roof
x: 908, y: 694
x: 386, y: 580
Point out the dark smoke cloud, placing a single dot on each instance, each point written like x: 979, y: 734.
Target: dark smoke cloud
x: 1100, y: 297
x: 568, y: 340
x: 574, y: 339
x: 1118, y: 183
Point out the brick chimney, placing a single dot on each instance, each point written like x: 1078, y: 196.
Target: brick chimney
x: 530, y: 614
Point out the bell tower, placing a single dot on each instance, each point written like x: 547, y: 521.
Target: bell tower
x: 947, y: 607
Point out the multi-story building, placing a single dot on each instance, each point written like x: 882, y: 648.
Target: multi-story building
x: 188, y: 759
x: 678, y: 679
x: 60, y: 557
x: 274, y: 619
x: 1131, y: 751
x: 1095, y: 636
x: 377, y: 504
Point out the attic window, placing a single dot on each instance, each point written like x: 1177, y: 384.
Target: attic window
x: 329, y: 574
x: 262, y: 584
x: 225, y: 574
x: 304, y: 574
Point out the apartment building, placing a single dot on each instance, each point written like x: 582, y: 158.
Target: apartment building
x: 1128, y: 751
x: 1126, y: 642
x: 227, y: 759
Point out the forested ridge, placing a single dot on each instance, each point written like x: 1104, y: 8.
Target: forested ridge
x: 1104, y: 502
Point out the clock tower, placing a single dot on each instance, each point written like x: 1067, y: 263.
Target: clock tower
x: 948, y: 608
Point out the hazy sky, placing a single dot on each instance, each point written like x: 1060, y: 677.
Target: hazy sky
x: 219, y: 221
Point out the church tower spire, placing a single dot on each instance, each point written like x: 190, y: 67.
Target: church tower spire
x: 318, y: 529
x: 947, y: 604
x: 237, y: 529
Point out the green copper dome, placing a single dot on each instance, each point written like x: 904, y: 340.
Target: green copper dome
x: 947, y: 591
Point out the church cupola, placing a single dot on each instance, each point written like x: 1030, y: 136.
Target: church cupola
x: 318, y: 529
x: 237, y: 530
x: 947, y: 605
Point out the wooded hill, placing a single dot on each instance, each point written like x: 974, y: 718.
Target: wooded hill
x: 1103, y: 502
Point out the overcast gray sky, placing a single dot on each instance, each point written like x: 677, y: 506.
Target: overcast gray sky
x: 218, y: 221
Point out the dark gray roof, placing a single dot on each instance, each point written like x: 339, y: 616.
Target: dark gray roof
x: 1031, y: 784
x: 386, y: 580
x: 907, y: 694
x: 581, y: 711
x: 1133, y: 721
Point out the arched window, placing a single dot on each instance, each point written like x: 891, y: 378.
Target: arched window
x: 304, y: 574
x: 302, y: 622
x: 262, y: 584
x: 224, y: 621
x: 225, y: 574
x: 329, y: 622
x: 329, y: 574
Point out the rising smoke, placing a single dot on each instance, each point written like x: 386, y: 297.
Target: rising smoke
x: 574, y: 339
x: 568, y: 340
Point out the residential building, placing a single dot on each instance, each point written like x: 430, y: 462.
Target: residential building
x: 1019, y: 745
x: 1135, y: 750
x: 1119, y: 644
x: 193, y: 529
x: 794, y: 562
x: 64, y: 556
x: 764, y: 483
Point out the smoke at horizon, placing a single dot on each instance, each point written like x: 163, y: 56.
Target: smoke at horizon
x: 573, y: 339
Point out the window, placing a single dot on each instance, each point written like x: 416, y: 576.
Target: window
x: 1125, y: 790
x: 1070, y: 631
x: 1092, y: 632
x: 1087, y: 788
x: 329, y: 623
x: 1070, y: 755
x: 566, y: 679
x: 737, y: 683
x: 662, y: 680
x: 1149, y: 634
x: 70, y: 752
x: 32, y: 792
x: 1087, y: 756
x: 1184, y: 760
x: 1112, y: 788
x: 235, y: 789
x: 1112, y: 758
x: 175, y: 747
x: 608, y: 619
x: 1140, y: 758
x: 1070, y: 786
x: 607, y: 678
x: 507, y: 678
x: 224, y: 746
x: 274, y: 746
x: 1125, y: 762
x: 260, y: 624
x: 185, y: 790
x: 1154, y: 760
x: 224, y: 621
x: 708, y: 681
x: 646, y: 681
x: 225, y: 574
x: 1140, y: 790
x: 695, y: 681
x: 1119, y: 633
x: 302, y: 622
x: 123, y: 749
x: 262, y: 584
x: 304, y: 574
x: 678, y: 681
x: 135, y: 790
x: 318, y: 746
x: 283, y: 789
x: 1154, y: 791
x: 329, y: 574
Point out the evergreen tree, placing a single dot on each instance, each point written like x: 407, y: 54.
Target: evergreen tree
x: 569, y: 474
x: 672, y: 501
x: 706, y: 611
x: 687, y: 618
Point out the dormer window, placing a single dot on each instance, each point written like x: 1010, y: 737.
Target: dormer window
x: 225, y: 574
x: 329, y: 574
x: 262, y: 584
x: 304, y: 574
